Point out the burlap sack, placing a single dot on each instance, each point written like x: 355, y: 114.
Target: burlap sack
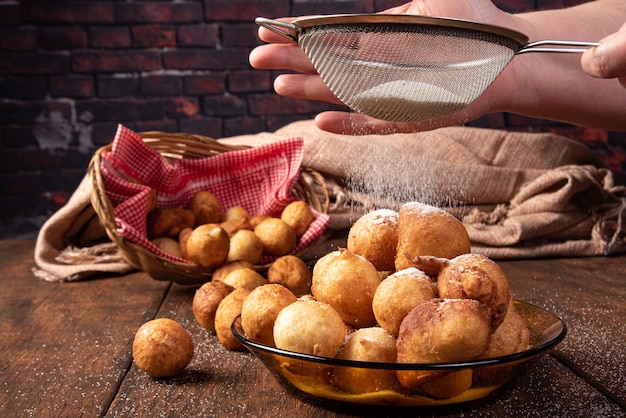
x: 520, y: 195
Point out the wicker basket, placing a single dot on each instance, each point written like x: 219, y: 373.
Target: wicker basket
x: 310, y: 187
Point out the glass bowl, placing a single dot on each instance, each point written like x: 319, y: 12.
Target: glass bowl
x: 314, y: 378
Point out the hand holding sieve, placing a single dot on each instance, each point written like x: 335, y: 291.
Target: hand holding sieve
x: 407, y: 68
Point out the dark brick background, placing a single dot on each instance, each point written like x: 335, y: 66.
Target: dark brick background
x: 70, y: 71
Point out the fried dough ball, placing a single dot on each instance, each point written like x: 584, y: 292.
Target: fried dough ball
x: 255, y: 220
x: 426, y: 235
x: 474, y: 276
x: 347, y: 282
x: 168, y: 222
x: 398, y: 294
x: 206, y: 300
x: 206, y: 206
x: 235, y: 212
x: 232, y: 226
x: 162, y: 348
x: 449, y: 385
x: 182, y: 241
x: 277, y: 237
x: 245, y: 245
x: 440, y: 331
x: 229, y: 309
x: 291, y: 272
x: 223, y: 270
x: 260, y: 309
x: 512, y: 336
x: 372, y: 345
x: 375, y: 237
x: 309, y: 327
x: 169, y: 245
x: 298, y: 216
x: 244, y: 277
x: 208, y: 245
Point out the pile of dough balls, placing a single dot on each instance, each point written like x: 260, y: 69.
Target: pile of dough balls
x: 405, y: 289
x: 208, y: 235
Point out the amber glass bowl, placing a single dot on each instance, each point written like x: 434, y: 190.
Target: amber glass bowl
x: 317, y: 378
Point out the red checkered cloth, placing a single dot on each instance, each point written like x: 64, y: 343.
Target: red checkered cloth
x: 258, y: 179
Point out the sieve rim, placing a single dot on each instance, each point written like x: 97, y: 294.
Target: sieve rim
x: 376, y: 18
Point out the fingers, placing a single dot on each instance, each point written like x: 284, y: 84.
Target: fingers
x: 281, y: 56
x: 609, y: 59
x: 303, y: 86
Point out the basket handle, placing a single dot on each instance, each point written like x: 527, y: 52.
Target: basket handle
x: 278, y: 27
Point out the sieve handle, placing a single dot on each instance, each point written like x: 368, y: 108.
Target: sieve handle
x: 279, y: 27
x: 558, y: 46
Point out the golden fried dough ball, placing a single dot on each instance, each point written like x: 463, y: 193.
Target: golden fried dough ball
x: 208, y: 245
x: 441, y: 331
x: 398, y: 294
x: 449, y: 385
x: 206, y: 300
x: 162, y: 348
x: 255, y: 220
x: 244, y: 277
x: 426, y: 235
x: 298, y: 216
x: 371, y: 345
x: 347, y: 282
x: 223, y: 270
x: 474, y: 276
x: 231, y: 226
x: 235, y: 212
x: 168, y: 222
x: 512, y: 336
x: 206, y: 206
x: 309, y: 327
x: 229, y: 309
x: 182, y: 241
x: 169, y: 245
x: 245, y: 245
x: 277, y: 237
x: 260, y: 309
x: 375, y: 237
x: 291, y: 272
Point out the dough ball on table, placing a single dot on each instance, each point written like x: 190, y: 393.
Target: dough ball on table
x: 223, y: 270
x: 169, y: 245
x: 428, y: 235
x: 347, y: 282
x: 260, y: 310
x: 235, y: 212
x: 291, y: 272
x: 168, y: 222
x: 244, y: 277
x: 398, y: 294
x: 474, y: 276
x: 206, y: 300
x: 245, y: 245
x: 206, y: 206
x: 298, y: 216
x: 208, y: 245
x: 277, y: 237
x: 229, y: 309
x: 375, y: 237
x: 162, y: 348
x: 369, y: 345
x: 441, y: 331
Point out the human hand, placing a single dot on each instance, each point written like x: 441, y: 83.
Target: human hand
x: 609, y: 59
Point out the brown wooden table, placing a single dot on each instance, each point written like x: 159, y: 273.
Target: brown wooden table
x: 65, y: 350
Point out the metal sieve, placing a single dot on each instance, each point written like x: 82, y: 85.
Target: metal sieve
x: 409, y: 68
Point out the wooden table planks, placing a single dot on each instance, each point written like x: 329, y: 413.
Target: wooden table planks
x: 65, y: 350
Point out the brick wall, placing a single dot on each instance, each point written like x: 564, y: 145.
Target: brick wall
x: 70, y: 71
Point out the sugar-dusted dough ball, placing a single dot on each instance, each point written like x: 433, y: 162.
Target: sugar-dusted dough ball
x: 244, y: 277
x: 245, y: 245
x: 298, y: 216
x: 223, y: 270
x: 372, y: 344
x: 260, y: 310
x: 206, y: 206
x: 291, y: 272
x: 277, y: 237
x: 512, y: 336
x: 375, y: 237
x: 168, y: 245
x: 206, y: 300
x: 347, y: 282
x: 168, y: 222
x: 162, y: 348
x: 309, y: 327
x: 398, y: 294
x: 427, y: 234
x: 229, y: 309
x: 475, y: 276
x: 208, y: 245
